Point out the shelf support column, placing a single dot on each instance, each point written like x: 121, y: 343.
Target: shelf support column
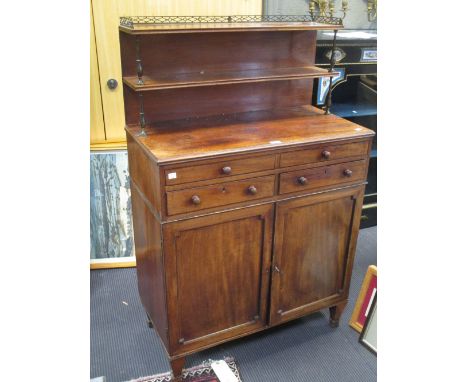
x: 142, y: 132
x: 332, y: 65
x: 139, y: 65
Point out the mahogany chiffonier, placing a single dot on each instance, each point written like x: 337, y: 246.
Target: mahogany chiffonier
x: 246, y: 200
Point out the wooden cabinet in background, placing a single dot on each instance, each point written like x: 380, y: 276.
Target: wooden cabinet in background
x: 246, y: 200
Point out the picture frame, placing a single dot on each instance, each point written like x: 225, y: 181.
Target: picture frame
x: 368, y: 336
x: 364, y: 301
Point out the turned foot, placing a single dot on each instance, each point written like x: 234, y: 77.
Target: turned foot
x: 148, y: 321
x: 177, y: 366
x: 334, y: 323
x: 335, y: 314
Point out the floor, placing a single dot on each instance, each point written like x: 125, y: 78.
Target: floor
x: 123, y: 347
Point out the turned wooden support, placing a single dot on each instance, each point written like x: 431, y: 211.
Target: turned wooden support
x: 328, y: 102
x: 177, y: 365
x: 139, y: 65
x: 335, y: 314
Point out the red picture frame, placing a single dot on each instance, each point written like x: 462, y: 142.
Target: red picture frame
x: 364, y: 301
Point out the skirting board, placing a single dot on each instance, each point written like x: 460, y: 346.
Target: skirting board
x: 118, y: 262
x: 105, y: 146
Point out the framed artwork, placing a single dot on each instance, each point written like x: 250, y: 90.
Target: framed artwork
x: 111, y: 210
x: 369, y: 54
x: 368, y: 335
x: 364, y: 301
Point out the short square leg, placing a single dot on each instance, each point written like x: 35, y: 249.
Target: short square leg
x: 335, y: 314
x: 177, y: 365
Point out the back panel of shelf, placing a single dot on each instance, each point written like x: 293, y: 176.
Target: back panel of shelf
x: 193, y: 102
x: 207, y: 55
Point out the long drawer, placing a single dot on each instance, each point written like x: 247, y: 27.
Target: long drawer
x: 324, y: 176
x: 324, y: 154
x: 198, y: 198
x: 223, y: 168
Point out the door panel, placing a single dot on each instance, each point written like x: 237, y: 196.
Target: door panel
x: 97, y: 132
x: 217, y: 274
x: 314, y: 243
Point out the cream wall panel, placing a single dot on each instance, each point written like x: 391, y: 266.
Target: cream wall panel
x: 106, y: 20
x: 97, y: 132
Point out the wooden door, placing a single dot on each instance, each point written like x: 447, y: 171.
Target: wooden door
x: 315, y: 238
x: 217, y: 276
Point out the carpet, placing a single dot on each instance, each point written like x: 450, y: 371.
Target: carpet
x: 200, y: 373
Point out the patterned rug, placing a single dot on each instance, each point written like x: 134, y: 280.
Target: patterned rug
x: 200, y: 373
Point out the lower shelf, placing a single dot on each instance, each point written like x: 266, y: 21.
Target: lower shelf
x: 184, y: 80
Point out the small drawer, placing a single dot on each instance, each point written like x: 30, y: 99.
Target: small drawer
x: 324, y: 154
x: 198, y: 198
x: 219, y: 169
x: 323, y: 176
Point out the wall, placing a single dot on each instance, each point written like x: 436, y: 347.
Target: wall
x: 356, y: 17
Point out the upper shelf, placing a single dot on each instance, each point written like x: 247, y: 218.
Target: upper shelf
x: 238, y: 23
x: 185, y: 80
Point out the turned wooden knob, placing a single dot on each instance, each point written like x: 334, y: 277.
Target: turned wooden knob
x: 302, y: 180
x: 196, y: 199
x: 326, y: 154
x: 227, y: 170
x: 252, y: 190
x: 347, y: 172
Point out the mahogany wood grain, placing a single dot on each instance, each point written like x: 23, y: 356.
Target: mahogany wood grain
x: 311, y: 252
x: 144, y: 172
x: 242, y: 151
x: 202, y: 78
x: 219, y: 194
x: 324, y: 176
x: 199, y: 102
x: 250, y: 132
x: 219, y: 169
x: 324, y: 154
x: 176, y: 59
x: 146, y: 29
x: 147, y: 233
x: 225, y: 276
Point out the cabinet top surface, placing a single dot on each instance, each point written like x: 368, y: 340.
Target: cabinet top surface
x: 239, y: 23
x: 198, y: 138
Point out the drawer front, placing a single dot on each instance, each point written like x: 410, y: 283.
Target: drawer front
x: 199, y: 198
x: 219, y: 169
x: 323, y: 176
x: 324, y: 154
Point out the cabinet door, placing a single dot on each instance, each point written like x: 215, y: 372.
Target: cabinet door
x: 217, y: 276
x: 315, y: 239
